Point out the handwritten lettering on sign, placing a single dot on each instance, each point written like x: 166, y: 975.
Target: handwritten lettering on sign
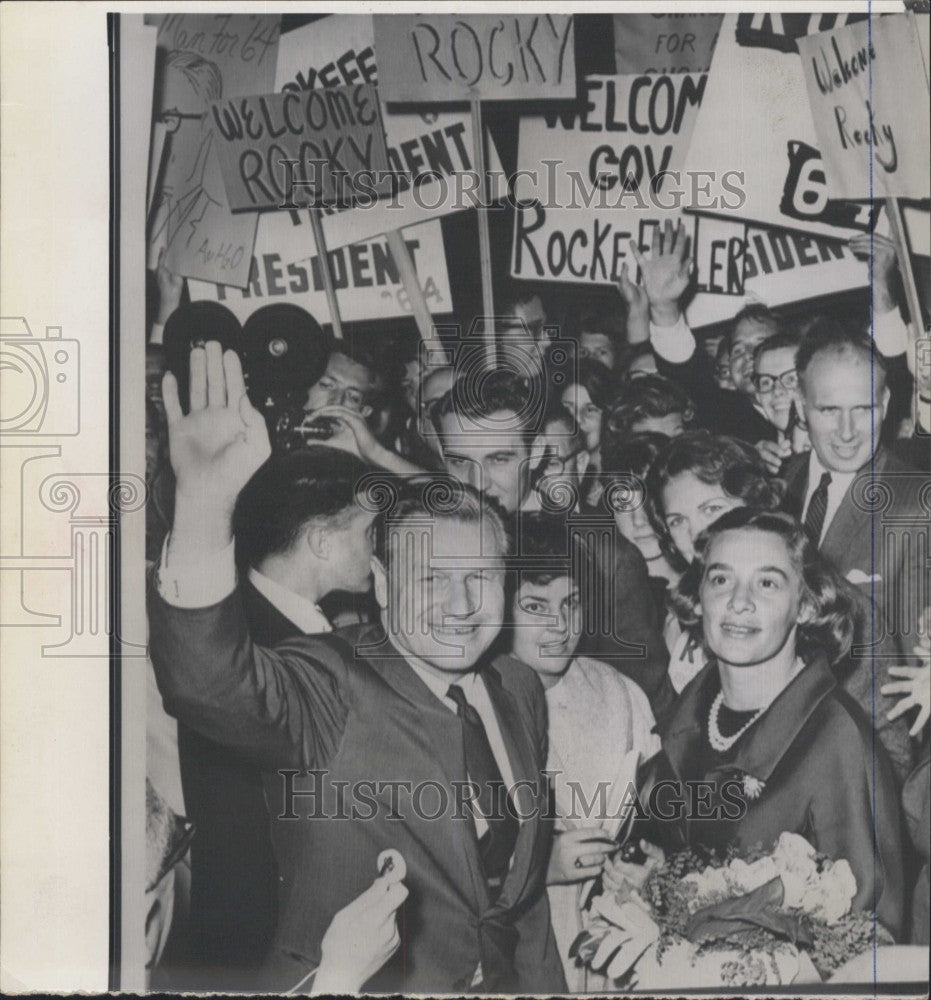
x: 448, y: 57
x: 302, y: 149
x: 874, y: 143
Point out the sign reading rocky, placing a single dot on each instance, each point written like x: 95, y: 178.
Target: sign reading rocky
x: 447, y: 57
x: 306, y: 149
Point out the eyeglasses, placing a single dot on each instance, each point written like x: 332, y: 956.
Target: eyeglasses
x: 766, y: 383
x: 172, y: 119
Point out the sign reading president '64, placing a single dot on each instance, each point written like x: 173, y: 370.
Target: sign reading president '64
x: 451, y: 57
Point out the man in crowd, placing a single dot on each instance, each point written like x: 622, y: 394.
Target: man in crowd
x: 862, y: 507
x: 299, y: 535
x: 487, y: 425
x: 411, y: 703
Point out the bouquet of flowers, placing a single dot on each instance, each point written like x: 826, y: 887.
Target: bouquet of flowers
x: 702, y: 920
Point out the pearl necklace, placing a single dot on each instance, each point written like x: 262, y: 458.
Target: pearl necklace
x: 717, y: 741
x: 722, y: 743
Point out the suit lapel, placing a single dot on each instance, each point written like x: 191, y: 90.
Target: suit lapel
x: 518, y: 744
x: 845, y: 541
x: 442, y: 731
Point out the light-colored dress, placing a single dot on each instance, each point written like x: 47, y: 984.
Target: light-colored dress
x: 599, y: 728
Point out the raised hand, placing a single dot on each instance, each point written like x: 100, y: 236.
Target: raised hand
x: 773, y: 454
x: 638, y: 308
x: 885, y: 261
x: 218, y: 445
x: 914, y: 688
x: 667, y: 272
x: 362, y: 936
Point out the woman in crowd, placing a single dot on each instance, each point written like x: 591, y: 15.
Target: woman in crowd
x: 765, y: 724
x: 694, y: 480
x: 582, y: 695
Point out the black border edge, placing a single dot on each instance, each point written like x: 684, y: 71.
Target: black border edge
x: 115, y: 965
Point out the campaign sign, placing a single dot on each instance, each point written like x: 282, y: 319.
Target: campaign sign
x: 306, y: 149
x: 461, y: 57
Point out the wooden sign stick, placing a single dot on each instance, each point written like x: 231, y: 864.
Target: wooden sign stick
x: 484, y: 239
x: 897, y: 231
x: 407, y: 270
x: 326, y: 273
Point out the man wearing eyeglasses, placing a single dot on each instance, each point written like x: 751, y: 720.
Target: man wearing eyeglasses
x: 776, y: 382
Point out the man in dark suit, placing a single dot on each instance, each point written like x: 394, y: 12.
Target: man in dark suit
x: 864, y: 510
x: 393, y: 736
x: 299, y: 535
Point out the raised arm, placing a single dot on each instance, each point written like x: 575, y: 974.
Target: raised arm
x: 280, y: 707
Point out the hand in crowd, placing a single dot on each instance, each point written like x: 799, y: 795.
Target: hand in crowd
x: 774, y: 453
x: 217, y: 446
x: 169, y: 289
x: 578, y: 855
x: 885, y: 263
x: 363, y: 935
x: 638, y: 308
x: 619, y: 873
x: 353, y: 434
x: 667, y: 272
x: 914, y: 688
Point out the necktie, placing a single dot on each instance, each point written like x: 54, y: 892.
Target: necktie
x: 497, y: 843
x: 817, y: 508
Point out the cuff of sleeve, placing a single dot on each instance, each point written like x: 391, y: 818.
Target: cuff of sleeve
x: 157, y: 334
x: 675, y: 343
x: 201, y: 584
x: 890, y: 333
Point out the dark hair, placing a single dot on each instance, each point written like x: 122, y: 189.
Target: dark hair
x: 424, y: 498
x: 755, y: 312
x: 827, y: 594
x: 633, y: 455
x: 633, y: 353
x: 376, y: 394
x: 480, y: 392
x: 778, y: 341
x: 545, y: 549
x: 722, y: 461
x: 597, y: 379
x: 512, y: 294
x: 825, y: 335
x: 650, y: 396
x: 316, y: 483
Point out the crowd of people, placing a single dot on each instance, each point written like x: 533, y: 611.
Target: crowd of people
x: 449, y: 603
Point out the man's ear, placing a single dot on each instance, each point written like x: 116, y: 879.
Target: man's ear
x: 380, y: 577
x: 318, y: 541
x: 885, y: 402
x: 366, y: 411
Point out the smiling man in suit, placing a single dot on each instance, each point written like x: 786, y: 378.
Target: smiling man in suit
x: 400, y: 735
x: 862, y: 508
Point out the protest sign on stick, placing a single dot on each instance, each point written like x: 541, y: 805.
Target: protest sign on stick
x: 872, y: 142
x: 450, y: 58
x: 768, y: 135
x: 664, y: 43
x: 203, y: 58
x: 366, y: 277
x: 437, y: 58
x: 320, y: 147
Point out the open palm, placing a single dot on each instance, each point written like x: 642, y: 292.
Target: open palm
x: 218, y: 445
x: 667, y: 272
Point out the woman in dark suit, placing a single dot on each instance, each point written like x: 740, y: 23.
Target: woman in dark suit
x: 763, y: 740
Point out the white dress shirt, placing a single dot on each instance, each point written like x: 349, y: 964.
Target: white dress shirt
x: 676, y: 343
x: 304, y: 613
x: 476, y: 694
x: 840, y: 483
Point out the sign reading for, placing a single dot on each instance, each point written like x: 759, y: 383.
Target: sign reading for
x: 873, y: 143
x: 446, y: 57
x: 306, y: 149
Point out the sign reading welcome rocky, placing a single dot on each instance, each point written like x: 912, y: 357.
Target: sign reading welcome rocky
x: 306, y: 149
